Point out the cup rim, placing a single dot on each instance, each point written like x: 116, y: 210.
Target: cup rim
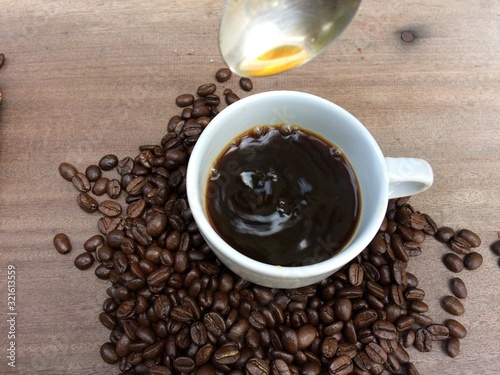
x: 212, y: 237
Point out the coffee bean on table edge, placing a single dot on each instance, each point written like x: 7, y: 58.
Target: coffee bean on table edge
x: 495, y: 247
x: 193, y: 309
x: 2, y: 59
x: 93, y: 172
x: 62, y: 243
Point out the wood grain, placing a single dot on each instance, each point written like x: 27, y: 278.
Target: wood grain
x: 86, y: 78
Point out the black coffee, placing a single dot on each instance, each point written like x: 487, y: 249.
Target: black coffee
x: 283, y: 196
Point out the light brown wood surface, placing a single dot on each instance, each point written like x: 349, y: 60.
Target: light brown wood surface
x: 87, y: 78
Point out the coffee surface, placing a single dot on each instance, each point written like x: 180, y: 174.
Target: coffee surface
x: 283, y: 196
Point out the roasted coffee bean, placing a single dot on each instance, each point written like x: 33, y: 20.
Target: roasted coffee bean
x: 100, y: 186
x: 81, y: 182
x: 62, y: 243
x: 93, y: 173
x: 460, y: 245
x: 184, y: 100
x: 306, y: 335
x: 342, y: 365
x: 365, y: 318
x: 257, y: 366
x: 67, y: 171
x: 473, y: 261
x: 472, y: 238
x: 206, y: 89
x: 455, y: 328
x: 84, y: 261
x: 223, y: 75
x: 108, y: 320
x: 108, y: 162
x: 329, y: 347
x: 108, y: 353
x: 414, y: 294
x: 227, y: 354
x: 458, y: 288
x: 452, y: 305
x: 439, y: 332
x: 355, y: 274
x: 110, y: 208
x: 411, y: 369
x: 453, y: 347
x: 383, y: 329
x: 343, y: 308
x: 231, y: 98
x: 495, y: 247
x: 246, y: 84
x: 453, y: 262
x: 87, y: 203
x: 113, y: 188
x: 125, y: 166
x: 444, y: 234
x: 214, y: 324
x: 423, y: 340
x: 184, y: 364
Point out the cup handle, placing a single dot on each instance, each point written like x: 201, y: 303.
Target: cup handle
x: 408, y: 176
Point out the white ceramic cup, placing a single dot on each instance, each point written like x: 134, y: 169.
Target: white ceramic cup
x: 380, y: 178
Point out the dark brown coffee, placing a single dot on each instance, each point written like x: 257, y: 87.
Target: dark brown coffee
x: 283, y: 196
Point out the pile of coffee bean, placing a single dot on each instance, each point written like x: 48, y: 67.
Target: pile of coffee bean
x: 173, y: 308
x: 2, y: 60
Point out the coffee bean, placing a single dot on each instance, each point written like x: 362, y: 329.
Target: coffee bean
x: 444, y: 234
x: 384, y: 330
x: 495, y: 247
x: 67, y: 171
x: 62, y: 243
x: 206, y: 89
x: 184, y: 364
x: 87, y: 203
x: 93, y: 173
x: 227, y: 354
x: 473, y: 261
x: 452, y: 305
x: 472, y: 238
x: 458, y: 288
x: 100, y: 186
x: 231, y: 98
x: 113, y: 188
x: 81, y: 182
x: 453, y: 262
x: 460, y: 245
x: 214, y: 324
x: 355, y: 274
x: 184, y: 100
x: 110, y: 208
x: 84, y: 261
x: 108, y: 162
x: 343, y: 308
x: 108, y: 353
x: 423, y: 340
x: 246, y: 84
x: 223, y: 75
x: 91, y: 244
x: 456, y: 329
x: 453, y: 347
x: 257, y: 366
x: 439, y: 332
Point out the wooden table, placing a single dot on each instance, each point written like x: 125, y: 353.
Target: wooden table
x: 86, y: 78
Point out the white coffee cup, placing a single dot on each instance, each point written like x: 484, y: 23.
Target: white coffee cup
x: 380, y: 178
